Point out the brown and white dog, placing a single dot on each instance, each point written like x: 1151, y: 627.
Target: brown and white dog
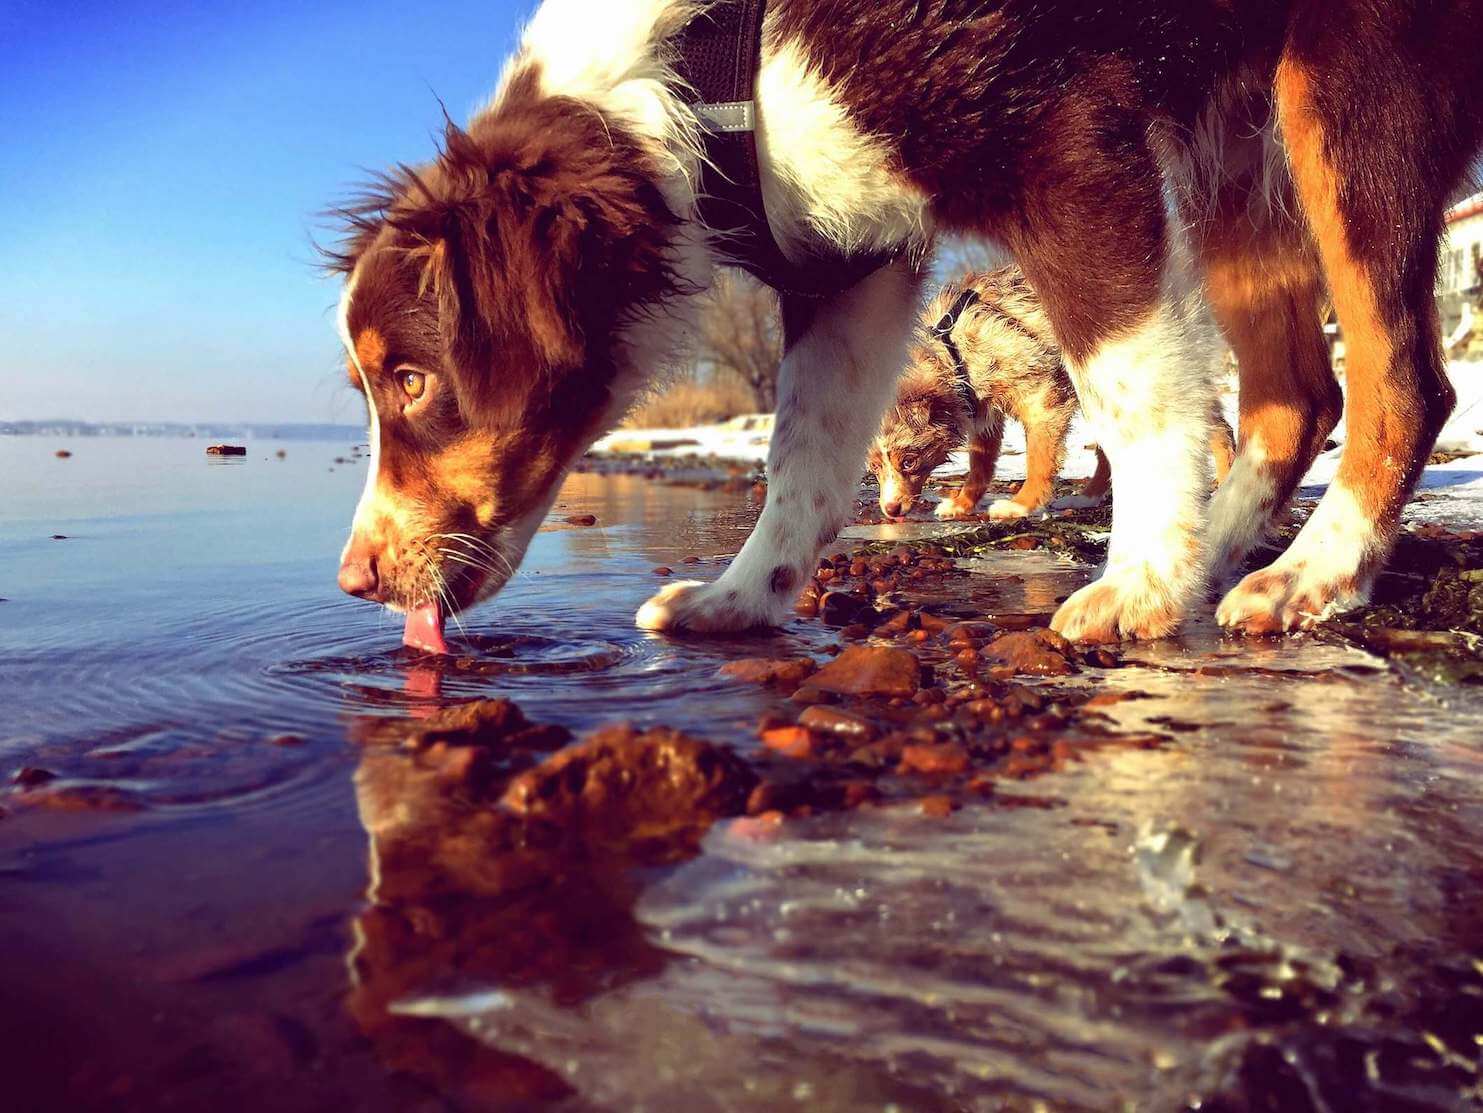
x: 985, y: 351
x: 505, y: 302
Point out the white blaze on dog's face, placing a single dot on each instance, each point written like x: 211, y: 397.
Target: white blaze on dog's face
x: 484, y: 315
x: 919, y: 432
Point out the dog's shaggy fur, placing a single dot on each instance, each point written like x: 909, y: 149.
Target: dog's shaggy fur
x: 505, y: 303
x: 1013, y: 370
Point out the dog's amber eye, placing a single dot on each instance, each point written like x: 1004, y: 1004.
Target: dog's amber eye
x: 908, y: 463
x: 413, y: 383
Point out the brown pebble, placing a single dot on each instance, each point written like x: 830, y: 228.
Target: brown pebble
x: 580, y: 519
x: 795, y: 742
x: 933, y: 624
x: 28, y: 776
x: 938, y: 807
x: 691, y: 560
x: 833, y: 721
x: 871, y: 671
x: 1038, y: 652
x: 664, y: 570
x: 782, y: 671
x: 842, y: 608
x: 286, y: 740
x: 64, y: 454
x: 935, y: 759
x: 810, y: 696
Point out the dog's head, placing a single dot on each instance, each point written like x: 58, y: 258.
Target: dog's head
x: 919, y: 431
x: 487, y: 302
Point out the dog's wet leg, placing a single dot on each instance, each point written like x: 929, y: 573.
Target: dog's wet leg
x: 837, y: 376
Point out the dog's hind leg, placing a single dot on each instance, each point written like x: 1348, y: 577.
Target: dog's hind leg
x: 1045, y: 449
x: 1265, y: 289
x: 983, y: 458
x: 836, y: 379
x: 1372, y: 168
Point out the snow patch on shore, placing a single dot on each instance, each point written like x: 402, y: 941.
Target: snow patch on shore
x: 1452, y: 493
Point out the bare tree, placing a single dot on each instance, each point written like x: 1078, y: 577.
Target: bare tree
x: 741, y: 335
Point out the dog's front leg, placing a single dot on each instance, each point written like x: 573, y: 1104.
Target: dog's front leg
x: 841, y: 365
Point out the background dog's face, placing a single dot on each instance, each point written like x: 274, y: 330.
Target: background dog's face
x: 484, y: 312
x: 920, y: 430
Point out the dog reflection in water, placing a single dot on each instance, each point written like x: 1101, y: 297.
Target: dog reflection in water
x: 494, y: 863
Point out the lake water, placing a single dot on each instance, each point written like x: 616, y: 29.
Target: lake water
x: 1281, y: 908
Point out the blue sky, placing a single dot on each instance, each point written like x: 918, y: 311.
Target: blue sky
x: 160, y: 172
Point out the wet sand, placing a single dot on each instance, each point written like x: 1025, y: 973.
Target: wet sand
x: 906, y: 853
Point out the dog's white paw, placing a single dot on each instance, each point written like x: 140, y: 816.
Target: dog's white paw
x: 952, y: 508
x: 1006, y: 510
x: 1129, y: 602
x: 707, y: 609
x: 1275, y: 600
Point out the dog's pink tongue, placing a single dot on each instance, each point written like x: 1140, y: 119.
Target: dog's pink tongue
x: 425, y: 629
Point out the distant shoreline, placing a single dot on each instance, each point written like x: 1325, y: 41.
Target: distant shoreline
x: 281, y: 431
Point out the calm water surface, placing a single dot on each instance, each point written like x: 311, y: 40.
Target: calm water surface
x: 1279, y: 909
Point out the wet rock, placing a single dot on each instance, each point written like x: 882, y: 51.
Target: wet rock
x: 1038, y: 652
x: 938, y: 807
x: 580, y: 519
x: 226, y: 450
x: 791, y: 741
x: 29, y: 776
x: 842, y: 608
x: 810, y: 696
x: 831, y: 720
x: 782, y: 672
x: 286, y: 740
x: 946, y: 759
x: 664, y: 570
x: 895, y: 621
x: 490, y: 723
x: 969, y: 635
x: 625, y: 784
x: 870, y: 671
x: 1016, y: 621
x: 85, y: 798
x: 63, y: 454
x: 807, y: 605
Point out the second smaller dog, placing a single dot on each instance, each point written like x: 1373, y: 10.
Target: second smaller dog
x: 985, y: 350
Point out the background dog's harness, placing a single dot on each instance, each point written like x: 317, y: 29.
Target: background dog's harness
x: 943, y: 331
x: 720, y: 52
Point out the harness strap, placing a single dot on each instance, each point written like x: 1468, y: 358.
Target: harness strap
x: 943, y: 331
x: 720, y: 52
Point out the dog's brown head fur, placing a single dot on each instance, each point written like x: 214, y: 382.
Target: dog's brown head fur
x: 486, y: 299
x: 928, y: 422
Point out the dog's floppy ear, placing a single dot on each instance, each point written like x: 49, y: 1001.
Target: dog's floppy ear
x: 541, y: 230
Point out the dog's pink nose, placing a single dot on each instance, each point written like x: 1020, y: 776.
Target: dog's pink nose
x: 358, y: 575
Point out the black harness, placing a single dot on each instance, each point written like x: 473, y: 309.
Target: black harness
x: 943, y: 331
x: 719, y: 55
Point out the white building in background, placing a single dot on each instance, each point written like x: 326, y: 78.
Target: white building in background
x: 1459, y: 287
x: 1459, y: 279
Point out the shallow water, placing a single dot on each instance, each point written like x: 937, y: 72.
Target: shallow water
x: 1278, y: 908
